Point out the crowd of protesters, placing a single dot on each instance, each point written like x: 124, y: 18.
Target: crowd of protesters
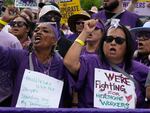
x: 111, y: 38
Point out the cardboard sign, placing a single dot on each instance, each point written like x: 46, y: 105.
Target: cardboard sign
x: 39, y: 91
x: 27, y: 3
x: 68, y: 8
x: 141, y: 7
x: 113, y: 90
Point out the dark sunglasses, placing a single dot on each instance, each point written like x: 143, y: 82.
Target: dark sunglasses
x: 79, y: 22
x: 50, y: 18
x: 143, y: 34
x: 118, y: 40
x: 18, y: 24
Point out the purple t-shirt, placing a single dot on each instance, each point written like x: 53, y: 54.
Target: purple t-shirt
x: 127, y: 18
x: 85, y: 82
x: 18, y: 60
x: 84, y: 51
x: 72, y: 37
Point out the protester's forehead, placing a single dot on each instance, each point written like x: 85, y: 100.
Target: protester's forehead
x: 116, y: 31
x: 113, y: 29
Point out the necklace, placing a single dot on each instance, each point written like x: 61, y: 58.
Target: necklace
x: 45, y: 68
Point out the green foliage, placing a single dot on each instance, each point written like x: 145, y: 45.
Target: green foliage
x: 87, y: 4
x: 9, y: 2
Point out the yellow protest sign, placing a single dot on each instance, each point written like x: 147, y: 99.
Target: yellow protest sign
x: 143, y: 0
x: 68, y: 8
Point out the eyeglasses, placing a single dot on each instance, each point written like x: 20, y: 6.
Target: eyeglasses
x: 79, y: 22
x: 118, y: 40
x: 143, y: 34
x: 18, y: 24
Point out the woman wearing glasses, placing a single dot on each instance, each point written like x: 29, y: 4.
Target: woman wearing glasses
x: 142, y: 54
x: 115, y: 51
x: 42, y: 59
x: 20, y: 27
x: 142, y: 35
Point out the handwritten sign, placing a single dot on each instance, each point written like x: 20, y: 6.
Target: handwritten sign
x: 39, y: 91
x: 141, y: 7
x: 68, y: 8
x: 26, y: 3
x: 113, y: 90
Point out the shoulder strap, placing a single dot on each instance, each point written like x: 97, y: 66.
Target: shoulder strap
x: 147, y: 83
x: 31, y: 62
x: 117, y: 14
x: 124, y: 73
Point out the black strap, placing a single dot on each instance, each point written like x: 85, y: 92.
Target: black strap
x: 124, y: 73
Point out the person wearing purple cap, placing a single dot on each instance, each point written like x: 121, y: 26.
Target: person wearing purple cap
x: 42, y: 59
x: 91, y: 47
x: 115, y: 50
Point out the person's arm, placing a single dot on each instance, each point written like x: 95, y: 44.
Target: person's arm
x: 8, y: 15
x: 131, y: 5
x: 72, y: 58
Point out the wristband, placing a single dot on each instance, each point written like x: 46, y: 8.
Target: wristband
x: 80, y: 42
x: 3, y: 22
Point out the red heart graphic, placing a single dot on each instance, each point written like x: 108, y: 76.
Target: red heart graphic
x: 128, y: 97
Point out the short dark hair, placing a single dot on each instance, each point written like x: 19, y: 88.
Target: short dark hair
x: 129, y: 48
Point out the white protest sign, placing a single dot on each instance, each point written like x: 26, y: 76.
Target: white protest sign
x: 141, y: 7
x: 39, y: 91
x: 27, y: 3
x: 113, y: 90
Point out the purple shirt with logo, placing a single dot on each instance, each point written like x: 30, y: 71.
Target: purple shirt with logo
x: 85, y: 82
x: 127, y: 18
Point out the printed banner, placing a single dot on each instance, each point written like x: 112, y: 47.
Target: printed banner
x: 27, y: 3
x: 113, y: 90
x: 68, y: 8
x: 142, y: 7
x: 39, y: 91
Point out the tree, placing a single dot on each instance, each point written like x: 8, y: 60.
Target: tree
x: 87, y: 4
x: 9, y: 2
